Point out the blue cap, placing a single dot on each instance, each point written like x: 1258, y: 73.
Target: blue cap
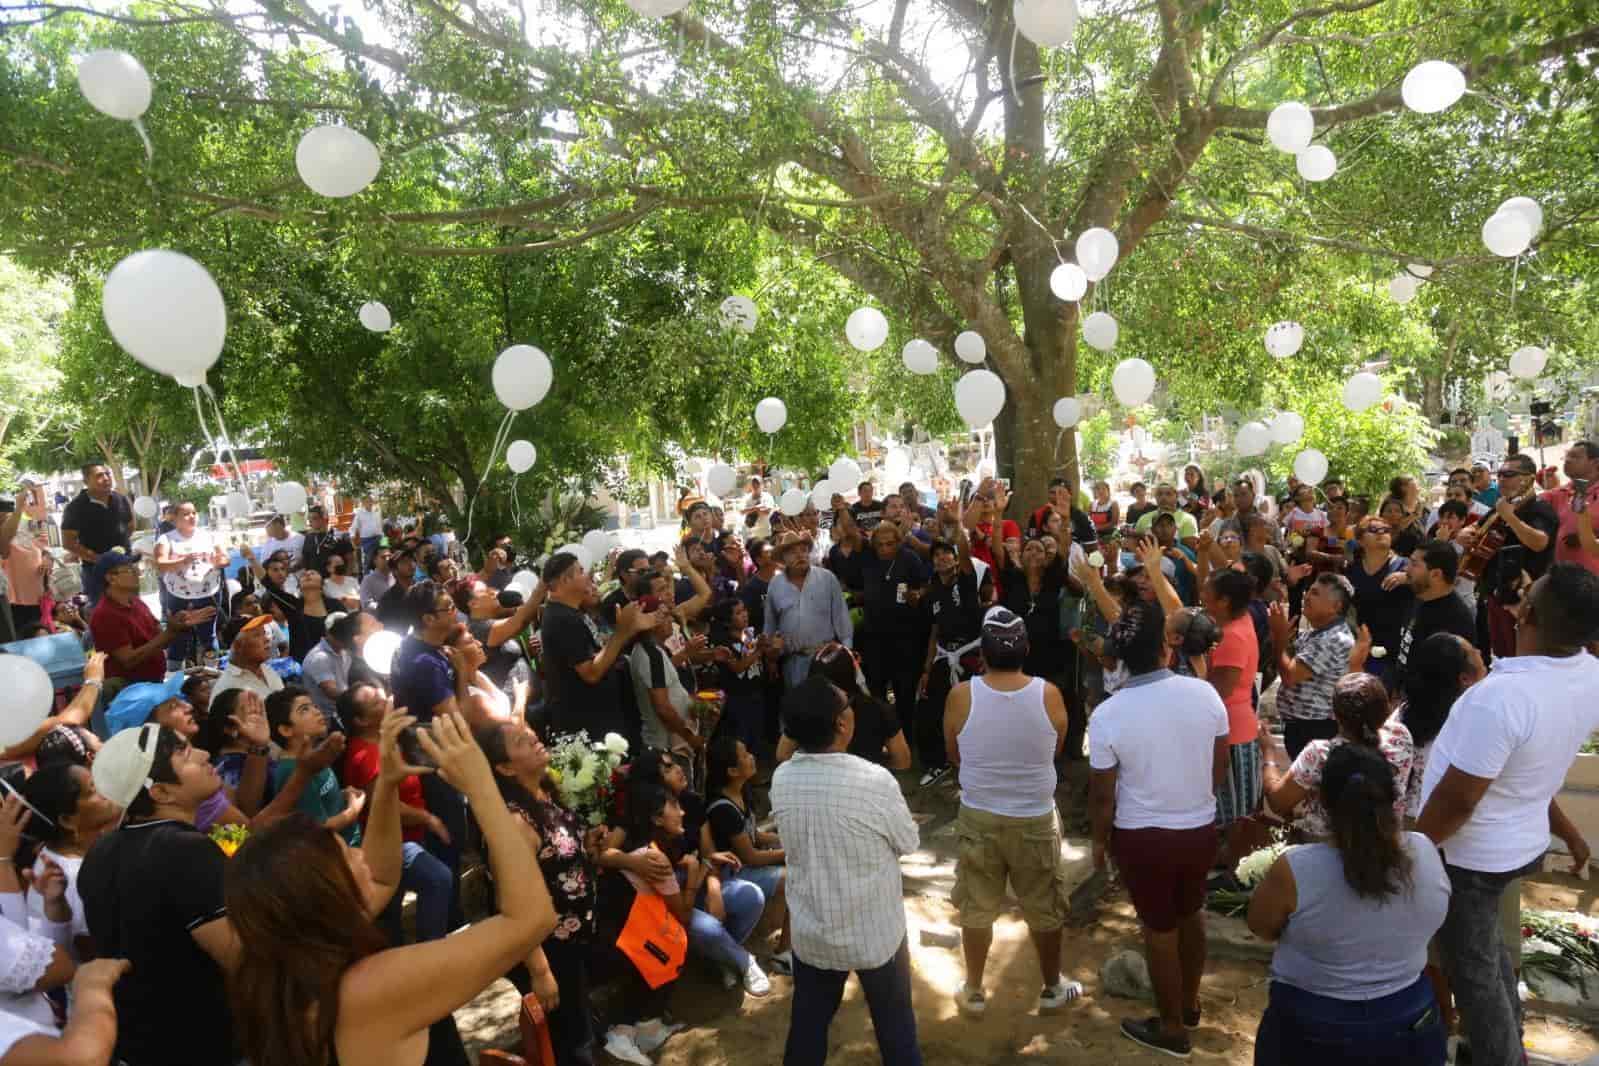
x: 135, y: 703
x: 110, y: 560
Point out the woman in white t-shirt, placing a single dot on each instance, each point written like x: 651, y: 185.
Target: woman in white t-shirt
x: 337, y: 584
x: 191, y: 561
x: 68, y: 816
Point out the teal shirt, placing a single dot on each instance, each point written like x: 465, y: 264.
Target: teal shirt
x: 322, y: 798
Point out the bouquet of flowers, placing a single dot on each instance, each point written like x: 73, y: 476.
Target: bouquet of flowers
x: 1251, y: 869
x: 585, y: 773
x: 1560, y: 944
x: 230, y: 838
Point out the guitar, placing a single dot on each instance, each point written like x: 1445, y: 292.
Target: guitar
x: 1491, y: 536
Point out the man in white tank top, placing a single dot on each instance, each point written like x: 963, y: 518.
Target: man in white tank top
x: 1003, y: 730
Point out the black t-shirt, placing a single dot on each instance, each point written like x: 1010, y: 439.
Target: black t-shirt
x: 100, y: 527
x: 1138, y: 510
x: 146, y: 887
x: 318, y: 548
x: 728, y: 820
x: 570, y: 637
x: 1446, y: 614
x: 886, y: 586
x: 1083, y: 531
x: 503, y: 660
x: 867, y: 515
x: 847, y: 568
x: 392, y: 612
x: 1046, y: 644
x: 1383, y: 611
x: 614, y: 601
x: 955, y: 608
x: 753, y: 593
x: 1508, y: 563
x: 875, y: 725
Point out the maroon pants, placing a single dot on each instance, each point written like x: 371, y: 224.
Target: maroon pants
x: 1164, y: 871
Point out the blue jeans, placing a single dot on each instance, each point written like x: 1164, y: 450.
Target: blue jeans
x: 767, y: 877
x: 369, y: 550
x: 200, y: 638
x: 888, y: 997
x: 1301, y: 1028
x: 720, y: 941
x: 1479, y: 965
x: 431, y: 881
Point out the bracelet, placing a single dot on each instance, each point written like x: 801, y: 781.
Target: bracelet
x: 260, y: 752
x: 96, y: 682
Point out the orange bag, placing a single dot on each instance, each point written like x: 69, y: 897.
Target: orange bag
x: 653, y: 939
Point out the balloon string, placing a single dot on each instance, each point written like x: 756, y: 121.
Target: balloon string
x: 1515, y: 269
x: 500, y: 436
x: 1014, y: 93
x: 216, y: 410
x: 516, y: 505
x: 149, y: 153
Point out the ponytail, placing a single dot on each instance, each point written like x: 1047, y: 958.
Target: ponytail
x: 1358, y: 792
x: 1360, y: 704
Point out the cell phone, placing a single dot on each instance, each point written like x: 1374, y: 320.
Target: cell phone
x: 411, y: 749
x: 7, y: 506
x: 966, y: 491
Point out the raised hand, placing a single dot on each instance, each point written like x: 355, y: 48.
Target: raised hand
x: 324, y: 754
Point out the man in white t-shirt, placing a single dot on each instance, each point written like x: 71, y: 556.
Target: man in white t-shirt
x: 280, y: 539
x: 367, y: 529
x: 1490, y: 785
x: 1158, y: 751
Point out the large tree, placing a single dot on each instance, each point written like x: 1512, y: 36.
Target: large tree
x: 929, y: 155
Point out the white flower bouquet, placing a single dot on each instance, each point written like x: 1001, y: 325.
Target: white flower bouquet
x: 1251, y: 869
x: 585, y: 773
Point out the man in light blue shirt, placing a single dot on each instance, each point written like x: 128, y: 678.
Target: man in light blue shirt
x: 804, y: 608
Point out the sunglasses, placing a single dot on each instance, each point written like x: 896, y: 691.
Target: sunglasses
x: 1512, y: 473
x: 1379, y: 529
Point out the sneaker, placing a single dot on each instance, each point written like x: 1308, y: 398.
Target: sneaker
x: 620, y: 1045
x: 755, y: 982
x: 1191, y: 1018
x: 1149, y: 1033
x: 1063, y: 993
x: 933, y: 777
x: 970, y: 1000
x: 652, y: 1034
x: 729, y: 980
x: 782, y: 963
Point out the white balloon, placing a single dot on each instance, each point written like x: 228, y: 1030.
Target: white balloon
x: 866, y: 329
x: 288, y: 497
x: 1403, y: 288
x: 145, y: 506
x: 114, y: 83
x: 1290, y: 126
x: 1068, y: 411
x: 1133, y: 381
x: 190, y: 381
x: 822, y: 494
x: 577, y: 551
x: 1316, y: 163
x: 165, y: 310
x: 1046, y: 22
x: 1527, y: 363
x: 238, y: 505
x: 979, y: 397
x: 738, y: 312
x: 657, y: 9
x: 792, y: 502
x: 1432, y: 86
x: 336, y: 161
x: 771, y: 414
x: 845, y: 474
x: 234, y: 588
x: 29, y: 696
x: 1507, y: 234
x: 522, y: 376
x: 1097, y: 251
x: 721, y: 479
x: 375, y: 317
x: 1362, y: 390
x: 1068, y: 282
x: 1252, y: 438
x: 1528, y: 208
x: 1100, y: 331
x: 1284, y: 338
x: 970, y: 346
x: 896, y: 464
x: 1421, y: 270
x: 1287, y: 428
x: 597, y: 543
x: 520, y: 456
x: 921, y: 357
x: 1310, y: 466
x: 379, y: 650
x: 524, y: 581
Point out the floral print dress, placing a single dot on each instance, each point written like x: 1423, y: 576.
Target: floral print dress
x: 566, y: 866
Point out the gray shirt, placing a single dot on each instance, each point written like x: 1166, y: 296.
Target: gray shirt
x: 373, y: 586
x: 323, y: 663
x: 1343, y: 947
x: 806, y: 617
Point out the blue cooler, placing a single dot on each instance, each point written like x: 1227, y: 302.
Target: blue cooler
x: 61, y: 655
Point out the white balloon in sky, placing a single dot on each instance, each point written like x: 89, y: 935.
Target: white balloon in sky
x: 520, y: 455
x: 1310, y: 466
x: 522, y: 376
x: 336, y: 161
x: 1284, y: 338
x: 1316, y: 163
x: 1507, y: 234
x: 979, y: 397
x: 1290, y: 126
x: 288, y: 497
x: 970, y: 346
x: 1133, y: 381
x: 845, y: 474
x: 657, y: 9
x: 1046, y: 22
x: 866, y: 329
x: 1432, y: 86
x: 1528, y: 208
x: 1068, y: 282
x: 1252, y: 438
x: 920, y: 357
x: 1527, y: 363
x: 1100, y: 330
x: 375, y: 317
x: 1403, y: 288
x: 1362, y: 390
x: 1287, y: 428
x: 115, y: 83
x: 1097, y: 251
x: 721, y: 479
x: 1068, y: 411
x: 822, y: 495
x: 166, y: 311
x: 739, y: 313
x: 771, y: 414
x: 792, y: 502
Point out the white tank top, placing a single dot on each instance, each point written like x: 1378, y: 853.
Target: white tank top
x: 1007, y: 752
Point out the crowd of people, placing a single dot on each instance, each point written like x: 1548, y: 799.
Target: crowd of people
x: 1186, y: 666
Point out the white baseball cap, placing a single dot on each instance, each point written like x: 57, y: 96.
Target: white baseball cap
x: 122, y: 765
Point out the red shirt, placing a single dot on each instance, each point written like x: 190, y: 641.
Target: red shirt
x: 115, y: 626
x: 362, y: 761
x: 982, y: 550
x: 1568, y: 549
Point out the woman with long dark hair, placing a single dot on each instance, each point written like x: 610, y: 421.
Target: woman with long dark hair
x: 68, y: 815
x: 1352, y: 918
x: 730, y: 823
x: 879, y: 735
x: 738, y: 654
x: 316, y: 983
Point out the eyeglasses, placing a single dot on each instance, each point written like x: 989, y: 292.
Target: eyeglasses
x: 1378, y: 528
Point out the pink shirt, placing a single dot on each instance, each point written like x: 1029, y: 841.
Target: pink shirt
x: 1560, y: 499
x: 22, y: 571
x: 1239, y: 648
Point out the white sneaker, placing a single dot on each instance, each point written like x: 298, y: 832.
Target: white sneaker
x: 1063, y: 993
x: 970, y: 1000
x: 652, y: 1034
x: 620, y: 1045
x: 932, y: 777
x: 755, y: 982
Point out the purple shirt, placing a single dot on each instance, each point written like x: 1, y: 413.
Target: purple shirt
x: 210, y: 810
